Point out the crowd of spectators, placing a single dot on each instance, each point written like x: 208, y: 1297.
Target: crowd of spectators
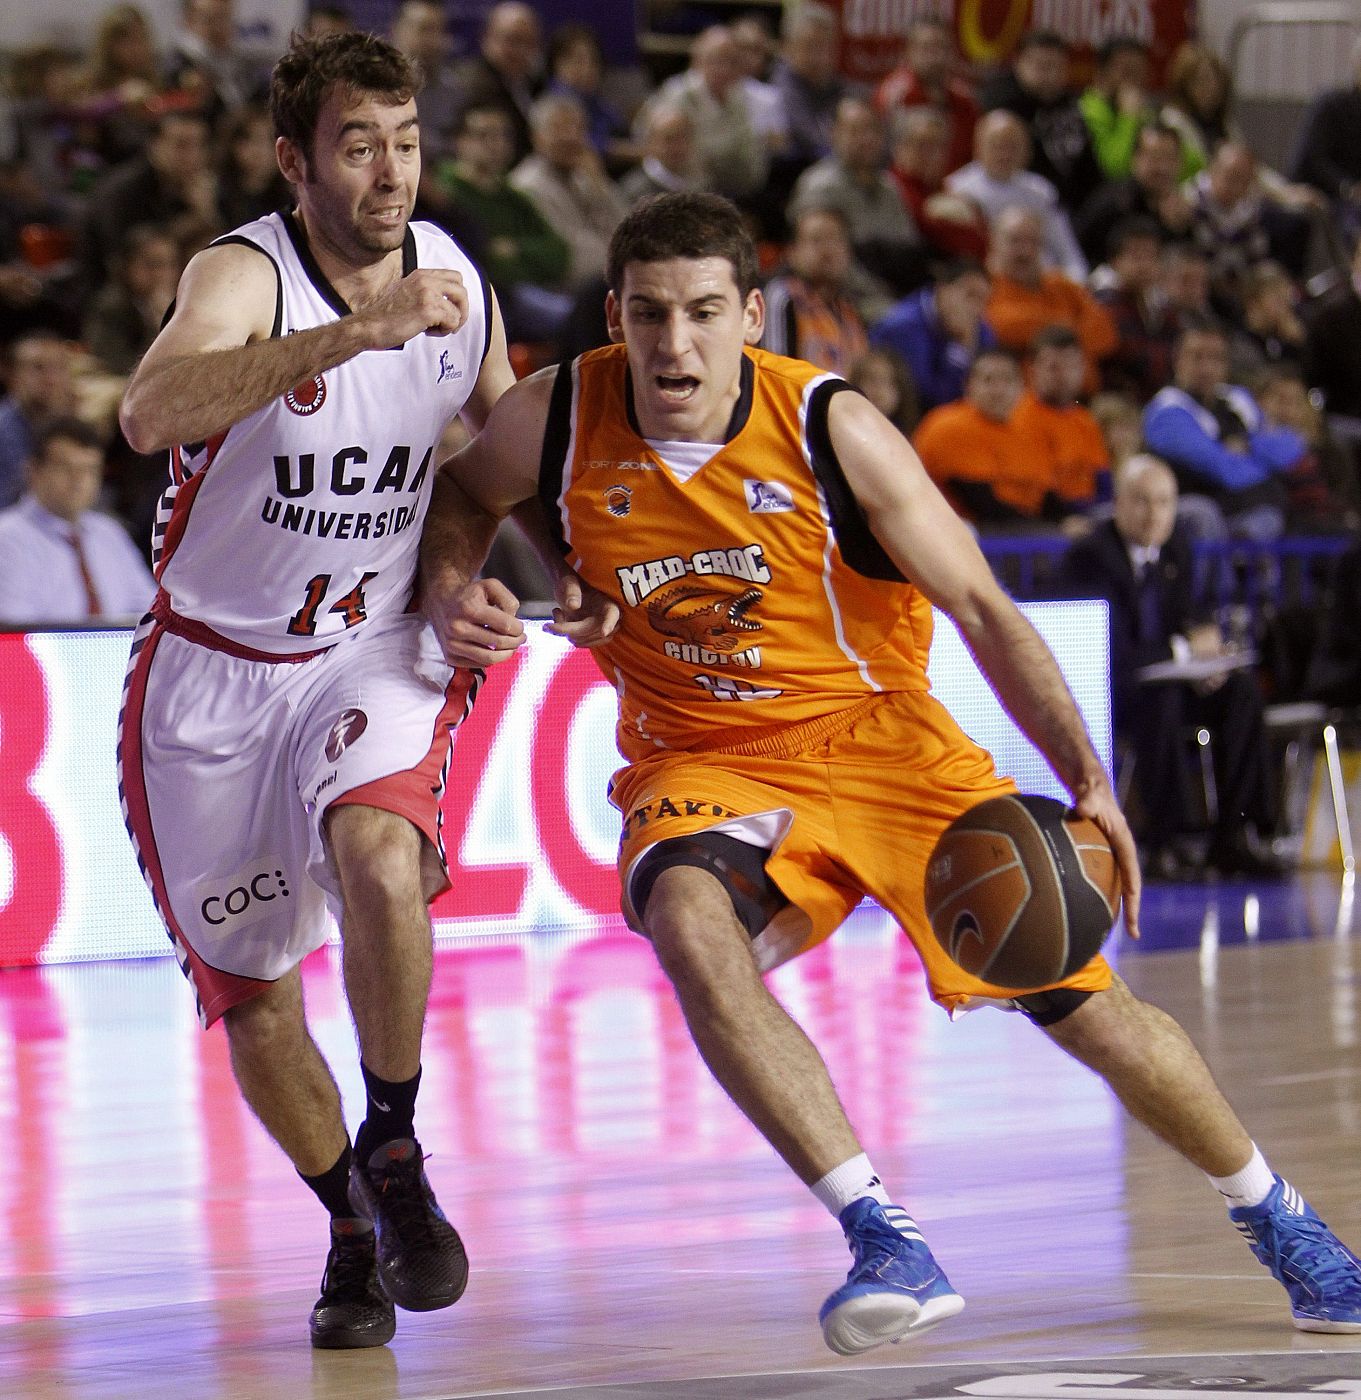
x: 1038, y: 276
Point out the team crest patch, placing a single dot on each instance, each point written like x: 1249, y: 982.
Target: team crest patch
x: 305, y: 398
x: 766, y: 497
x: 618, y: 500
x: 348, y: 727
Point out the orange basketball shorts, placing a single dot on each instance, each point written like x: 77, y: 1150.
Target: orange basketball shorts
x: 846, y: 808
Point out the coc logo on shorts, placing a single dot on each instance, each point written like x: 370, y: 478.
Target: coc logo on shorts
x: 347, y: 728
x: 304, y: 399
x: 244, y: 897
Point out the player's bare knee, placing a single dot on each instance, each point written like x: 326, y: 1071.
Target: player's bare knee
x: 378, y: 857
x: 263, y: 1022
x: 691, y: 924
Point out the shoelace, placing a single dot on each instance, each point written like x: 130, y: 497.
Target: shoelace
x: 347, y: 1269
x: 404, y: 1199
x: 1312, y: 1248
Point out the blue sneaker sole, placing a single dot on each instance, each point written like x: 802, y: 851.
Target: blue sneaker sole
x: 870, y: 1319
x: 1324, y: 1324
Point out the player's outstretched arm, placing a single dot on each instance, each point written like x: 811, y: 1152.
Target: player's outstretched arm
x: 936, y: 550
x: 216, y: 361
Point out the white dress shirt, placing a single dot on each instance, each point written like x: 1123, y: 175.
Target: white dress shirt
x: 40, y: 578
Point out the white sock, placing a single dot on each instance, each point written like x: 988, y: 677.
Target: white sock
x: 849, y: 1182
x: 1249, y: 1187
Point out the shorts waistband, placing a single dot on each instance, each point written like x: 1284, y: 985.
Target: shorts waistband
x: 786, y: 740
x: 202, y: 635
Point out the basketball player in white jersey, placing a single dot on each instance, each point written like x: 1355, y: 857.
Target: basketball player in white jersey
x: 287, y: 714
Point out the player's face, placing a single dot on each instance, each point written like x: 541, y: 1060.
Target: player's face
x: 684, y: 323
x: 359, y: 187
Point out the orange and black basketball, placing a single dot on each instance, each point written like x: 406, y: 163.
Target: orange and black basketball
x: 1020, y: 892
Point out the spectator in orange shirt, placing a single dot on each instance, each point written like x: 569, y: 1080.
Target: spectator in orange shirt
x: 1025, y: 297
x: 990, y: 464
x: 1076, y: 449
x: 925, y: 78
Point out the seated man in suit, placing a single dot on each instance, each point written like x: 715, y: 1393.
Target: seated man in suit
x: 1141, y: 565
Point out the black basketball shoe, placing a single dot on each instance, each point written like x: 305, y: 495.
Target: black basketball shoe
x: 421, y: 1260
x: 353, y: 1310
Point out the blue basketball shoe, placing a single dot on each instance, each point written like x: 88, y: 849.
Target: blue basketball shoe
x: 895, y: 1289
x: 1321, y: 1275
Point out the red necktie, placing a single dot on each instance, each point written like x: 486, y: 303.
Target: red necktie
x: 91, y: 593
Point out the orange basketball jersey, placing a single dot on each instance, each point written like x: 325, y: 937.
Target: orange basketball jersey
x: 754, y: 595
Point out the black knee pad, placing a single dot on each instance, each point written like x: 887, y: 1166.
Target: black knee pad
x: 737, y: 865
x: 1049, y: 1008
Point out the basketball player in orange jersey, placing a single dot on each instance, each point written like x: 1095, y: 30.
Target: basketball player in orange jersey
x: 774, y: 548
x: 287, y: 715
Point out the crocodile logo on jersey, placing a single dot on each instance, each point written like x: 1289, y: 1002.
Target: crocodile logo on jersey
x: 304, y: 399
x: 705, y: 617
x: 349, y: 725
x: 618, y: 499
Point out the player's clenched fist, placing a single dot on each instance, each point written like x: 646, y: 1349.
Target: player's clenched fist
x: 432, y: 300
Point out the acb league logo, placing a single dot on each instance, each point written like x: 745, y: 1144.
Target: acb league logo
x: 304, y: 399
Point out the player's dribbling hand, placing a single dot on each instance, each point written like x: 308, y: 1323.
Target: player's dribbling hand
x: 584, y: 615
x: 1097, y: 803
x: 432, y: 300
x: 476, y: 624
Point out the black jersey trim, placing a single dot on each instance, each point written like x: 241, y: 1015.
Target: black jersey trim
x: 278, y: 279
x: 557, y: 438
x: 488, y: 303
x: 312, y: 268
x: 741, y: 410
x: 859, y: 548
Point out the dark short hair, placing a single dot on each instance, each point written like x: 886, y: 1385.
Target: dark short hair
x: 478, y: 108
x: 1131, y: 229
x: 952, y: 270
x: 1199, y: 325
x: 688, y: 225
x: 1054, y: 337
x: 996, y: 352
x: 1041, y: 39
x: 1118, y: 44
x: 66, y: 429
x: 305, y: 76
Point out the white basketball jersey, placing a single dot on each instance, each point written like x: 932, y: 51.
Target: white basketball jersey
x: 303, y: 521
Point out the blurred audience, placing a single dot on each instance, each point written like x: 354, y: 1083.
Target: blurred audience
x: 1035, y: 88
x: 60, y: 559
x: 1119, y: 103
x: 1074, y: 447
x: 1151, y: 189
x: 505, y: 70
x: 809, y: 313
x: 1026, y: 296
x: 926, y: 77
x: 249, y: 183
x: 420, y: 31
x: 882, y: 376
x: 41, y: 389
x: 855, y: 181
x: 950, y: 223
x: 206, y: 62
x: 983, y: 456
x: 997, y: 179
x: 670, y: 162
x: 1127, y: 285
x: 576, y: 66
x: 1217, y: 440
x: 939, y: 330
x: 808, y: 81
x: 128, y: 310
x: 526, y: 259
x: 1332, y: 344
x: 1140, y: 563
x: 565, y: 180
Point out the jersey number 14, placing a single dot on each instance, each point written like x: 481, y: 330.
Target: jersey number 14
x: 303, y: 623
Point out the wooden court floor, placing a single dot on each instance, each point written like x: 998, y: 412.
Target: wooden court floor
x: 630, y: 1235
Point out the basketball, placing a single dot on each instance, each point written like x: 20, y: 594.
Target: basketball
x: 1021, y: 893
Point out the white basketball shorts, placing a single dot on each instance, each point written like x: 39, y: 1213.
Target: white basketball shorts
x: 229, y: 760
